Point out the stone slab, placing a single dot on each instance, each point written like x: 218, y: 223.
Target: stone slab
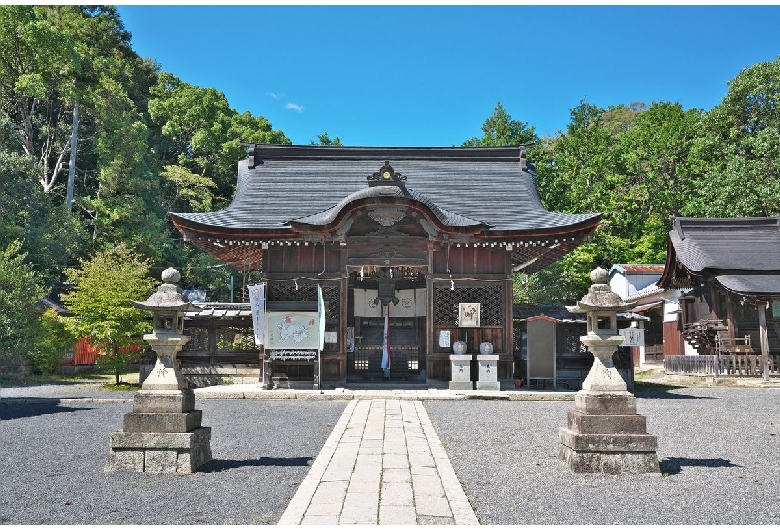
x: 606, y: 423
x: 153, y: 440
x: 608, y: 443
x: 461, y: 385
x: 162, y: 422
x: 605, y: 403
x: 488, y: 385
x: 609, y: 463
x: 160, y: 452
x: 125, y: 460
x: 164, y: 401
x: 160, y: 461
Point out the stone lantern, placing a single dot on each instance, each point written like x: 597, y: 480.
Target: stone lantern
x: 604, y: 432
x: 167, y: 339
x: 163, y: 434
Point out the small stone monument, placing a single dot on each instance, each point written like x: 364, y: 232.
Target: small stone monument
x: 604, y: 432
x: 460, y: 363
x: 163, y: 434
x: 487, y: 361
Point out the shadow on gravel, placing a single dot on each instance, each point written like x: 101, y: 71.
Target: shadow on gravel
x: 673, y: 466
x: 15, y: 408
x: 656, y: 390
x: 223, y: 465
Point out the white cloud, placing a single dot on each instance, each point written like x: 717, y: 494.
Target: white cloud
x: 295, y: 107
x: 275, y: 95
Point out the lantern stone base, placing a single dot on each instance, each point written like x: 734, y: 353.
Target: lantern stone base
x: 163, y: 434
x: 604, y: 434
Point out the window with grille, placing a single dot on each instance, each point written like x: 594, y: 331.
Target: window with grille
x: 446, y: 300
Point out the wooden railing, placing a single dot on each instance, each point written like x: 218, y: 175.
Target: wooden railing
x: 725, y: 364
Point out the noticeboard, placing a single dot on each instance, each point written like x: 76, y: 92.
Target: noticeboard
x: 287, y: 330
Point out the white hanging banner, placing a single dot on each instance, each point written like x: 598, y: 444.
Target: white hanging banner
x: 321, y: 317
x: 257, y: 305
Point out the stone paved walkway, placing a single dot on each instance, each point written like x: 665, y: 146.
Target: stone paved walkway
x: 382, y: 464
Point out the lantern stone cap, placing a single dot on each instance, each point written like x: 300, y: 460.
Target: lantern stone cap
x: 600, y: 297
x: 168, y: 296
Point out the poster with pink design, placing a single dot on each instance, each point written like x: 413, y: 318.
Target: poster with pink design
x: 288, y: 330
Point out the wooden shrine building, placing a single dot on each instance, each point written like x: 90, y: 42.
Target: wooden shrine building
x: 730, y: 269
x: 416, y: 230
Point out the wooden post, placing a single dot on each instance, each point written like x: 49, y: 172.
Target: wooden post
x: 761, y: 307
x: 732, y: 330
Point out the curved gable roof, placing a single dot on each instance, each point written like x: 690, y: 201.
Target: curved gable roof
x: 445, y: 217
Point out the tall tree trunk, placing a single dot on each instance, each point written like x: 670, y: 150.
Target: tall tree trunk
x: 72, y: 164
x: 115, y: 352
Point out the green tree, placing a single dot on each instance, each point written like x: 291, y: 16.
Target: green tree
x: 660, y: 179
x: 560, y: 283
x: 53, y: 58
x: 324, y: 139
x: 20, y: 296
x: 101, y: 303
x: 501, y: 130
x: 38, y: 68
x: 51, y: 344
x: 30, y: 215
x: 201, y: 134
x: 738, y: 149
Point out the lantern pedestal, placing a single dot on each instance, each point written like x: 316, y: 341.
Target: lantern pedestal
x: 163, y: 433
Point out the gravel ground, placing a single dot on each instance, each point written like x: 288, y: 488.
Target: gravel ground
x: 53, y: 455
x: 718, y: 449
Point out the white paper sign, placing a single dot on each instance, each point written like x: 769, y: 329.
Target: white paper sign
x: 633, y: 336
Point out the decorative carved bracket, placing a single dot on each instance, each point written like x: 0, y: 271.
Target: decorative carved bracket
x: 387, y: 216
x: 386, y: 176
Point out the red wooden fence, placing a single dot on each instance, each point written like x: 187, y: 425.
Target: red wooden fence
x: 85, y: 353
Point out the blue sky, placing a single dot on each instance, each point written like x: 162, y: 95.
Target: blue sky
x: 431, y: 75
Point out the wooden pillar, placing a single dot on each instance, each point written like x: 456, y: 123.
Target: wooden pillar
x: 732, y: 331
x: 429, y: 338
x: 761, y: 308
x: 509, y: 322
x: 715, y: 310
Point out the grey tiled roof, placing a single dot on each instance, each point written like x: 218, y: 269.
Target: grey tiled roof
x: 464, y: 186
x: 739, y: 244
x: 742, y: 254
